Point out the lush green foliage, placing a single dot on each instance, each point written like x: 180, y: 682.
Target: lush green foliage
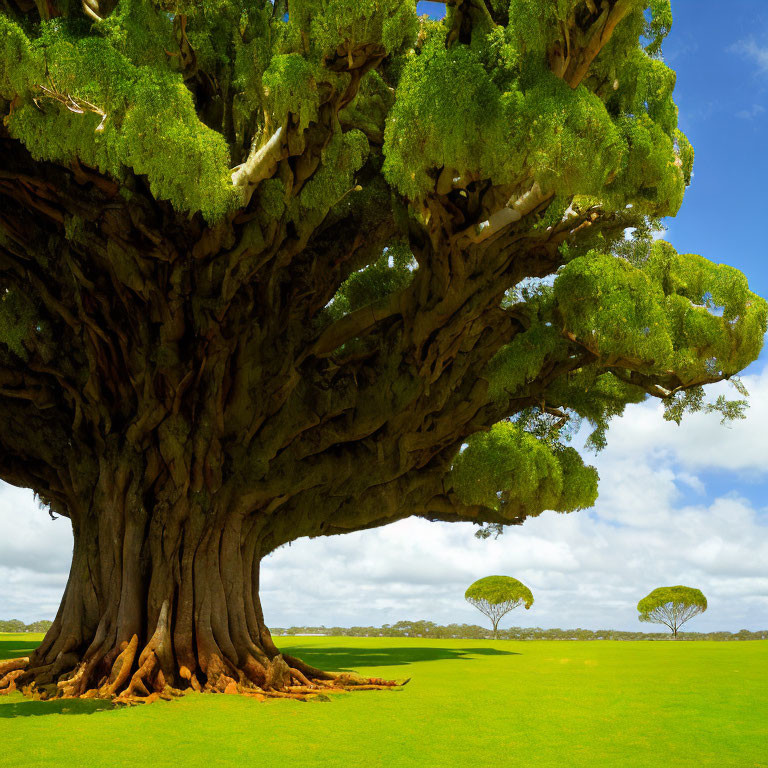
x: 511, y: 470
x: 656, y: 311
x: 620, y: 145
x: 141, y: 107
x: 563, y: 698
x: 623, y: 146
x: 331, y: 23
x: 496, y: 596
x: 678, y: 594
x: 672, y: 606
x: 500, y: 589
x: 123, y: 92
x: 376, y: 152
x: 392, y: 271
x: 668, y: 310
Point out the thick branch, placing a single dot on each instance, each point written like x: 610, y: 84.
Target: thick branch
x: 261, y: 164
x: 571, y: 57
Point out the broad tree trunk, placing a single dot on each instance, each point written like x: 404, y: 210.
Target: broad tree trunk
x: 162, y: 596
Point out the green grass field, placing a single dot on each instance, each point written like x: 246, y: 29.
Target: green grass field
x: 473, y: 703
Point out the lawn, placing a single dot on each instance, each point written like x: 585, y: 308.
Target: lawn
x: 474, y: 703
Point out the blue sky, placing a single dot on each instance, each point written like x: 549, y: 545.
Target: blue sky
x: 721, y: 60
x: 677, y: 505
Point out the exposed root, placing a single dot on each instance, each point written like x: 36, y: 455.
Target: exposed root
x: 317, y: 689
x: 147, y: 684
x: 121, y: 669
x: 278, y: 674
x: 10, y: 671
x: 306, y: 669
x: 352, y: 682
x: 127, y: 675
x: 11, y: 665
x: 301, y: 677
x: 345, y: 680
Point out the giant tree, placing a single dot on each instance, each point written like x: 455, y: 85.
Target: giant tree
x: 672, y: 606
x: 273, y: 270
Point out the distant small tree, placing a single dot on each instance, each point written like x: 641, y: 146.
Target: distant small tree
x: 496, y: 596
x: 672, y: 606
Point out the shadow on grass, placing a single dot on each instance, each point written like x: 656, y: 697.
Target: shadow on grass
x: 347, y: 659
x: 56, y: 707
x: 11, y: 649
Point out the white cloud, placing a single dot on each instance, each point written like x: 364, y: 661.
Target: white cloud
x: 35, y: 553
x: 31, y: 540
x: 749, y: 48
x: 700, y: 442
x: 750, y: 114
x: 653, y: 525
x: 584, y: 569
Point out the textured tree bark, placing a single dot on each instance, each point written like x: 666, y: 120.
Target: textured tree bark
x: 163, y: 597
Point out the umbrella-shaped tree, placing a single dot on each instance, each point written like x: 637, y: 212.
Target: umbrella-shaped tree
x: 672, y: 606
x: 495, y: 596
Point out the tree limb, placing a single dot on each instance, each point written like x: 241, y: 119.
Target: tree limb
x: 260, y: 165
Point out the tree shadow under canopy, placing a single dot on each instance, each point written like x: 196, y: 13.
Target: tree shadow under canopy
x: 26, y: 708
x: 12, y: 649
x: 15, y: 706
x: 346, y: 659
x: 332, y: 659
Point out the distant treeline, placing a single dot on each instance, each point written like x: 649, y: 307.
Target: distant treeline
x: 474, y: 632
x: 462, y: 632
x: 15, y: 625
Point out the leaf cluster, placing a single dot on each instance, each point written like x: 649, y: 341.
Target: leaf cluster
x: 495, y: 590
x: 513, y: 472
x: 676, y: 596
